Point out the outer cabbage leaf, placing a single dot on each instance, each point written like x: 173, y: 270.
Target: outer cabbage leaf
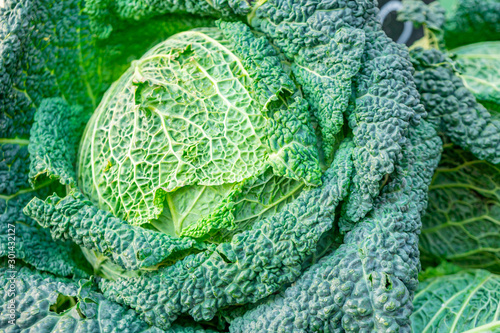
x: 54, y: 140
x: 25, y: 79
x: 468, y: 301
x: 367, y: 284
x: 386, y: 103
x: 45, y: 303
x: 52, y: 153
x: 453, y: 23
x: 479, y: 67
x: 462, y: 223
x: 324, y: 64
x: 204, y: 108
x: 75, y: 218
x: 108, y: 15
x: 382, y: 86
x: 431, y: 15
x: 452, y: 108
x: 472, y: 21
x: 33, y: 244
x: 42, y: 58
x: 255, y: 264
x: 20, y: 234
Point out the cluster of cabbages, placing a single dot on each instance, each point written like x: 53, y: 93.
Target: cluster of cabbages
x: 245, y: 166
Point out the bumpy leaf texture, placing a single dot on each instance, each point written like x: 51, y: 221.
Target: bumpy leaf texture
x: 324, y: 64
x: 384, y: 96
x: 22, y: 236
x: 453, y: 108
x: 42, y: 57
x: 46, y: 304
x: 462, y: 223
x: 386, y: 104
x: 367, y: 284
x: 255, y: 264
x: 468, y: 301
x: 54, y: 139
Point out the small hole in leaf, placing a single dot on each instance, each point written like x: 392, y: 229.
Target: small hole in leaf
x: 388, y: 282
x: 62, y: 304
x: 226, y: 259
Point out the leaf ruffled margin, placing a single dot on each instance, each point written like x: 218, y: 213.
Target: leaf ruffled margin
x: 131, y: 247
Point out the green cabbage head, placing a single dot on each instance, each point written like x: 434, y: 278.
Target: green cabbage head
x: 205, y: 132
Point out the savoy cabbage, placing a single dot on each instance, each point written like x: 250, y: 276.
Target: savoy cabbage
x: 235, y: 165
